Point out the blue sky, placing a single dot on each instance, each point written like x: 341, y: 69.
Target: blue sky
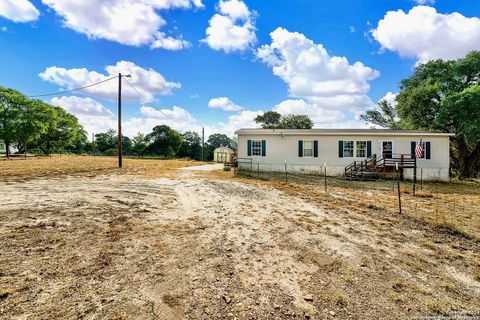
x: 219, y: 63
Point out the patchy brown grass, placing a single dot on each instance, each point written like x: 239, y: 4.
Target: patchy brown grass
x: 452, y: 208
x: 153, y: 242
x: 55, y: 166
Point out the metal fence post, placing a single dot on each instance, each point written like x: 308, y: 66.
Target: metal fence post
x: 399, y: 197
x: 414, y: 173
x: 286, y: 174
x: 421, y: 178
x: 325, y: 176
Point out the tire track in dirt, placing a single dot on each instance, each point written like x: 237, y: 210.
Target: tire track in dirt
x: 199, y: 248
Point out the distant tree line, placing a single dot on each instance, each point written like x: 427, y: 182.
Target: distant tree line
x: 34, y: 125
x: 163, y: 141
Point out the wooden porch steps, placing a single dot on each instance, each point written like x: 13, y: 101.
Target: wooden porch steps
x: 375, y: 167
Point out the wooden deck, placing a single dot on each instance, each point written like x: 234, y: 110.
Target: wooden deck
x: 374, y: 166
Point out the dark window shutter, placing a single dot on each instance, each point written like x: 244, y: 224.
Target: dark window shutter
x: 300, y: 148
x: 340, y: 149
x: 264, y: 148
x: 315, y: 149
x: 249, y: 148
x: 412, y: 148
x: 427, y: 150
x: 369, y: 148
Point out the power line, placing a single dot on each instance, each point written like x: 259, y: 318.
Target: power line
x: 72, y: 90
x: 148, y: 101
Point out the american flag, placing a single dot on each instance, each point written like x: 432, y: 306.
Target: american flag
x: 419, y: 150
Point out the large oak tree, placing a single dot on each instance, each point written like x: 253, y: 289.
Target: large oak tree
x: 445, y: 96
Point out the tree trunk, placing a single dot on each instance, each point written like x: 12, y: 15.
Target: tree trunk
x: 7, y: 149
x: 466, y: 159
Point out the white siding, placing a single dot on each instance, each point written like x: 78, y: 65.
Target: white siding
x: 281, y: 149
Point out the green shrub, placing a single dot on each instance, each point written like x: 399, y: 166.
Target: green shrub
x: 111, y: 152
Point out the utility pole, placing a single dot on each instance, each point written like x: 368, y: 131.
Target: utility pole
x: 203, y: 141
x: 119, y: 120
x: 120, y: 152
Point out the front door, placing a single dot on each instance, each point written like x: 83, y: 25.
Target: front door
x: 387, y: 149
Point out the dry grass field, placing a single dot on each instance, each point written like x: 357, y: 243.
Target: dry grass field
x: 80, y: 238
x: 56, y: 166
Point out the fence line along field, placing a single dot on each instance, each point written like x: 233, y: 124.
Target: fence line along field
x: 451, y: 207
x: 80, y: 238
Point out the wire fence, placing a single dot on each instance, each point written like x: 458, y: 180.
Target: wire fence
x: 320, y: 176
x: 435, y: 203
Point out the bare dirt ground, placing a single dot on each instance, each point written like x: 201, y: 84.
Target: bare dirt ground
x: 154, y: 242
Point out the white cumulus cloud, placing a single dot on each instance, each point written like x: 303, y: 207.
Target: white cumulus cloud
x: 147, y: 81
x: 319, y: 116
x: 151, y: 119
x: 325, y: 86
x: 169, y: 43
x: 310, y: 72
x: 233, y: 28
x: 424, y: 34
x: 390, y: 98
x: 91, y: 114
x: 223, y: 103
x: 18, y: 10
x: 175, y: 114
x: 243, y: 119
x: 130, y: 22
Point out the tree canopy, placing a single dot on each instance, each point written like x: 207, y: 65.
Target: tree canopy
x: 269, y: 120
x: 385, y: 115
x: 296, y: 121
x: 445, y: 96
x: 32, y: 123
x: 106, y: 140
x: 165, y: 141
x: 191, y: 146
x: 140, y: 144
x: 441, y: 96
x: 274, y: 120
x: 220, y: 140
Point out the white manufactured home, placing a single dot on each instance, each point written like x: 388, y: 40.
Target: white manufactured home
x: 339, y: 149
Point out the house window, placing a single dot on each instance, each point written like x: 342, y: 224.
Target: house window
x: 308, y: 148
x: 361, y: 151
x: 256, y: 147
x: 348, y: 149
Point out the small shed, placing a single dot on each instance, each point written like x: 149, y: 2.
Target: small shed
x: 222, y: 154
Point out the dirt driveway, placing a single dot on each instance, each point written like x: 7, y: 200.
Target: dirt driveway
x: 197, y: 247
